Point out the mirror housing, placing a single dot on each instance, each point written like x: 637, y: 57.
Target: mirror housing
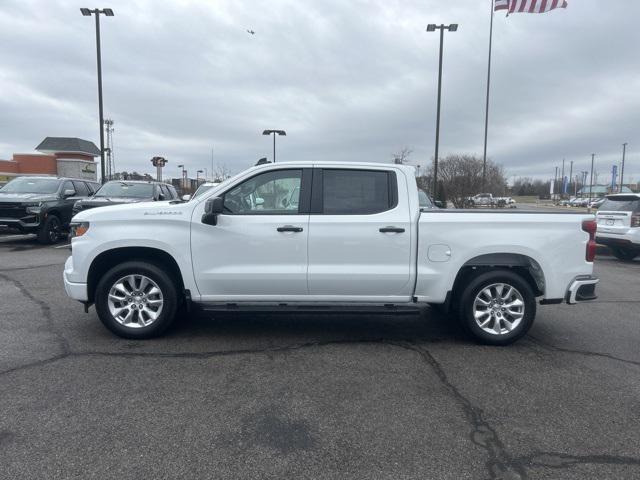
x: 186, y: 198
x: 212, y: 208
x: 259, y: 201
x: 68, y: 193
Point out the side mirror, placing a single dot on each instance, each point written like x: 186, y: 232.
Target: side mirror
x: 212, y: 208
x: 186, y: 198
x: 259, y: 201
x: 68, y: 193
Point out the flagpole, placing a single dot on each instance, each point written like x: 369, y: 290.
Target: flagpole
x: 486, y: 110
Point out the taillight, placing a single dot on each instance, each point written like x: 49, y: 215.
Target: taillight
x: 590, y: 226
x: 635, y: 220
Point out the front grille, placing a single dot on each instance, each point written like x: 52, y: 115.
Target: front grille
x: 12, y: 210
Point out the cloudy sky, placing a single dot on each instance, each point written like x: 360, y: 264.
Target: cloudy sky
x: 347, y: 79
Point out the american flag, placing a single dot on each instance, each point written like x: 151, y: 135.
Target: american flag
x: 529, y: 6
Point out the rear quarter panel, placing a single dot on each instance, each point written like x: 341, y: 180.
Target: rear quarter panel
x: 555, y: 241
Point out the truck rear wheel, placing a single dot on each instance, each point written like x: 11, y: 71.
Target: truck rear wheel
x: 497, y: 307
x: 136, y: 300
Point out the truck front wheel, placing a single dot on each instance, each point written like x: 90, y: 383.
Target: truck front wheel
x: 136, y: 300
x: 497, y: 307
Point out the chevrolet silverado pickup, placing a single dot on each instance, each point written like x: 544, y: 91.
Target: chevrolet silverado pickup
x: 320, y: 236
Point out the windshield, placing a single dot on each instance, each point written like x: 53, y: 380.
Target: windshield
x: 124, y: 189
x: 201, y: 189
x: 31, y: 185
x: 424, y: 200
x: 621, y: 204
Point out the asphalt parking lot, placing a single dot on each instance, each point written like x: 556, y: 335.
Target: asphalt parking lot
x: 314, y: 396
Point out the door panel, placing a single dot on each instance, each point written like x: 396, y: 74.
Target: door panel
x: 348, y: 254
x: 258, y: 248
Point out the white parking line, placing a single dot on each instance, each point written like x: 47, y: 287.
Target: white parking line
x: 68, y: 245
x: 13, y: 237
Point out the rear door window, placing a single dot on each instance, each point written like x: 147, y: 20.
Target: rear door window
x: 357, y: 192
x: 81, y: 189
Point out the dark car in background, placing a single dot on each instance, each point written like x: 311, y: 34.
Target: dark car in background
x: 42, y: 205
x: 117, y: 192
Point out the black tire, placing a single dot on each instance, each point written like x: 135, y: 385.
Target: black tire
x: 482, y: 281
x: 50, y: 231
x: 163, y: 281
x: 624, y: 254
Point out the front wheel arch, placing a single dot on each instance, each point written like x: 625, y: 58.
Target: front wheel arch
x: 107, y: 259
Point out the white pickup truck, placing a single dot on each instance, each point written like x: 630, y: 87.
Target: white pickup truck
x: 317, y: 236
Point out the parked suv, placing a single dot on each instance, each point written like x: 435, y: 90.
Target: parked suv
x: 117, y: 192
x: 619, y: 225
x: 42, y: 205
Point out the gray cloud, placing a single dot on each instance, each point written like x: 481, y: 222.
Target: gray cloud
x: 348, y: 81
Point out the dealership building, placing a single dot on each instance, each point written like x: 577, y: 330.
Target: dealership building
x: 57, y: 156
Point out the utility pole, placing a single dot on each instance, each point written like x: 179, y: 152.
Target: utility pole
x: 593, y: 156
x: 570, y: 175
x: 624, y: 150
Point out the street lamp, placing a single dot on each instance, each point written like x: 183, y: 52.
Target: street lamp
x: 87, y: 12
x: 184, y: 176
x: 274, y: 132
x: 432, y: 27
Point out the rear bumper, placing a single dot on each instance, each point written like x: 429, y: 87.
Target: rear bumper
x: 623, y: 241
x: 581, y: 289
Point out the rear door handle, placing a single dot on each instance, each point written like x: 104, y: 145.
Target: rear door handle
x: 392, y: 230
x: 289, y: 228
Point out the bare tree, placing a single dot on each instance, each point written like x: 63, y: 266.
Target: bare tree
x: 221, y: 172
x: 402, y: 156
x: 460, y: 176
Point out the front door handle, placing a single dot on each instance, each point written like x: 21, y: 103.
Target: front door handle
x: 289, y: 228
x: 392, y: 230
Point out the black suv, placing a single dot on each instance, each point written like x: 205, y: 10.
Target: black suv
x: 42, y: 205
x: 117, y: 192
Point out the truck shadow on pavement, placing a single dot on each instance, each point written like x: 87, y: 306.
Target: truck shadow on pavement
x: 426, y: 326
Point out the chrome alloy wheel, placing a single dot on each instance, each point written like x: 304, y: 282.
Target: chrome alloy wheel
x: 498, y: 308
x: 135, y: 301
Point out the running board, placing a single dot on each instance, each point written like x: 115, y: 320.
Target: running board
x: 303, y: 307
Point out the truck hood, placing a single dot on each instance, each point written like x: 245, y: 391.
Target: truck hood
x: 134, y: 211
x: 100, y: 201
x: 26, y: 197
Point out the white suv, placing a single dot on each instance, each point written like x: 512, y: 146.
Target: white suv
x: 619, y: 225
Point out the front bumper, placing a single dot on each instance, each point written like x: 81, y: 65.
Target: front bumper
x: 25, y: 224
x: 581, y: 289
x: 77, y: 291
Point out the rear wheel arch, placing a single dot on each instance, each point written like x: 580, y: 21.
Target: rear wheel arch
x: 108, y: 259
x: 528, y: 268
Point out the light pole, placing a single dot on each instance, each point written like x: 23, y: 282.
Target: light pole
x: 184, y: 177
x: 87, y: 12
x: 624, y: 150
x: 432, y: 27
x: 274, y: 133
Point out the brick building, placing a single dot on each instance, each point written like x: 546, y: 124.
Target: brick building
x: 59, y: 156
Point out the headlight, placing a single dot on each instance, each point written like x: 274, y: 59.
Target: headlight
x: 33, y: 207
x: 78, y: 229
